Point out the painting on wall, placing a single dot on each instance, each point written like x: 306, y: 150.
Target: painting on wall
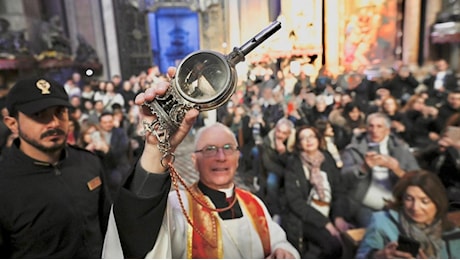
x: 174, y: 34
x: 370, y: 33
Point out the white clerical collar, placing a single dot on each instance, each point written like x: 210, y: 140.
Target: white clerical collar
x: 228, y: 192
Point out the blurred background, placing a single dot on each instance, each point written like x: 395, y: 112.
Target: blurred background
x: 102, y: 38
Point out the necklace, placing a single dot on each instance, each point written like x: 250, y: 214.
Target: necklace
x: 175, y: 177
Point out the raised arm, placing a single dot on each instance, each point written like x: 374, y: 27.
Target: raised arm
x: 140, y: 206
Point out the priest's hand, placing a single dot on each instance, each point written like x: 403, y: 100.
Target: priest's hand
x: 280, y: 253
x: 152, y: 157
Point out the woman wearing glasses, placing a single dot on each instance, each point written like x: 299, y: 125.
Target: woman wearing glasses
x: 316, y: 200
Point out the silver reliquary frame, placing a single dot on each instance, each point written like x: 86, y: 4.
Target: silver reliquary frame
x: 204, y: 80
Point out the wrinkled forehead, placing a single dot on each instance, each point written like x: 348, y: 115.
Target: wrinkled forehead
x: 377, y: 121
x: 215, y: 135
x: 283, y: 128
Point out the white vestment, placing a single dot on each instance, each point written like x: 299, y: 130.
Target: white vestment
x: 240, y: 239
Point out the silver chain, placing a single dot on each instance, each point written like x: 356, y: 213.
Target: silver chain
x: 161, y: 133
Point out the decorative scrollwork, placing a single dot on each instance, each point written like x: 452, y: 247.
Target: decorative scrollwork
x: 165, y: 124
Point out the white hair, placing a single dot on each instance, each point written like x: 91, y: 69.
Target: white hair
x: 218, y: 124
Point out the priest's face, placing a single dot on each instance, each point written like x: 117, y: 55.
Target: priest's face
x: 216, y: 157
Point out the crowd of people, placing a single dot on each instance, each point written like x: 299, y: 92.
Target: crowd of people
x: 319, y: 155
x: 372, y: 130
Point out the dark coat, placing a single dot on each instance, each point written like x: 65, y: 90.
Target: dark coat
x: 271, y: 160
x: 436, y: 97
x: 52, y: 211
x: 247, y: 142
x: 363, y: 93
x: 450, y: 83
x: 418, y: 128
x: 297, y: 191
x: 117, y: 161
x: 272, y: 113
x: 399, y: 86
x: 444, y: 113
x: 446, y: 164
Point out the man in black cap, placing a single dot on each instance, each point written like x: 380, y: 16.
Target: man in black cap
x: 53, y: 198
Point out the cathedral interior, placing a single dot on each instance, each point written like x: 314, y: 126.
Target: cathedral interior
x: 123, y: 37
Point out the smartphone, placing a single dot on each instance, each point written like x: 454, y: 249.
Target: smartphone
x: 408, y: 244
x: 375, y: 147
x: 96, y: 137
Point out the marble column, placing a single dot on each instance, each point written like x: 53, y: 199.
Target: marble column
x: 13, y: 11
x: 110, y: 34
x: 233, y: 24
x: 84, y: 18
x: 99, y: 39
x: 333, y: 41
x: 70, y: 12
x: 432, y: 9
x: 213, y: 33
x: 454, y: 57
x: 253, y: 18
x: 411, y: 31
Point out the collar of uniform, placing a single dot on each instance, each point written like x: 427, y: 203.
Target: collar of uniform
x: 16, y: 143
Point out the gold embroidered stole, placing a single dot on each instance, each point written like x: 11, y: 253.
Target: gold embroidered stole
x: 205, y: 239
x: 257, y: 216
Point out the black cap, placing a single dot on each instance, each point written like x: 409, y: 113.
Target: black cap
x: 36, y: 94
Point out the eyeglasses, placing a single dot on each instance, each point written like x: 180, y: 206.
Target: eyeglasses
x: 211, y: 150
x: 307, y: 137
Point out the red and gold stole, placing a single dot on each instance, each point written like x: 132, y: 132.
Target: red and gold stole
x: 205, y: 239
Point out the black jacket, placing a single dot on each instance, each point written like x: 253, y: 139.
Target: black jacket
x: 444, y: 113
x: 248, y: 142
x: 399, y: 86
x: 297, y: 190
x: 52, y: 211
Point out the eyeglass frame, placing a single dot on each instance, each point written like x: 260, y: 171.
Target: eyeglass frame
x: 227, y: 152
x: 308, y: 137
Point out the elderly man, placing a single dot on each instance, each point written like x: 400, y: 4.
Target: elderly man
x: 373, y: 162
x: 212, y: 219
x: 277, y: 146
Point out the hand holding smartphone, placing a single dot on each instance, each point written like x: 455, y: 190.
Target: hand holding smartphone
x: 373, y: 147
x: 96, y: 137
x: 408, y: 244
